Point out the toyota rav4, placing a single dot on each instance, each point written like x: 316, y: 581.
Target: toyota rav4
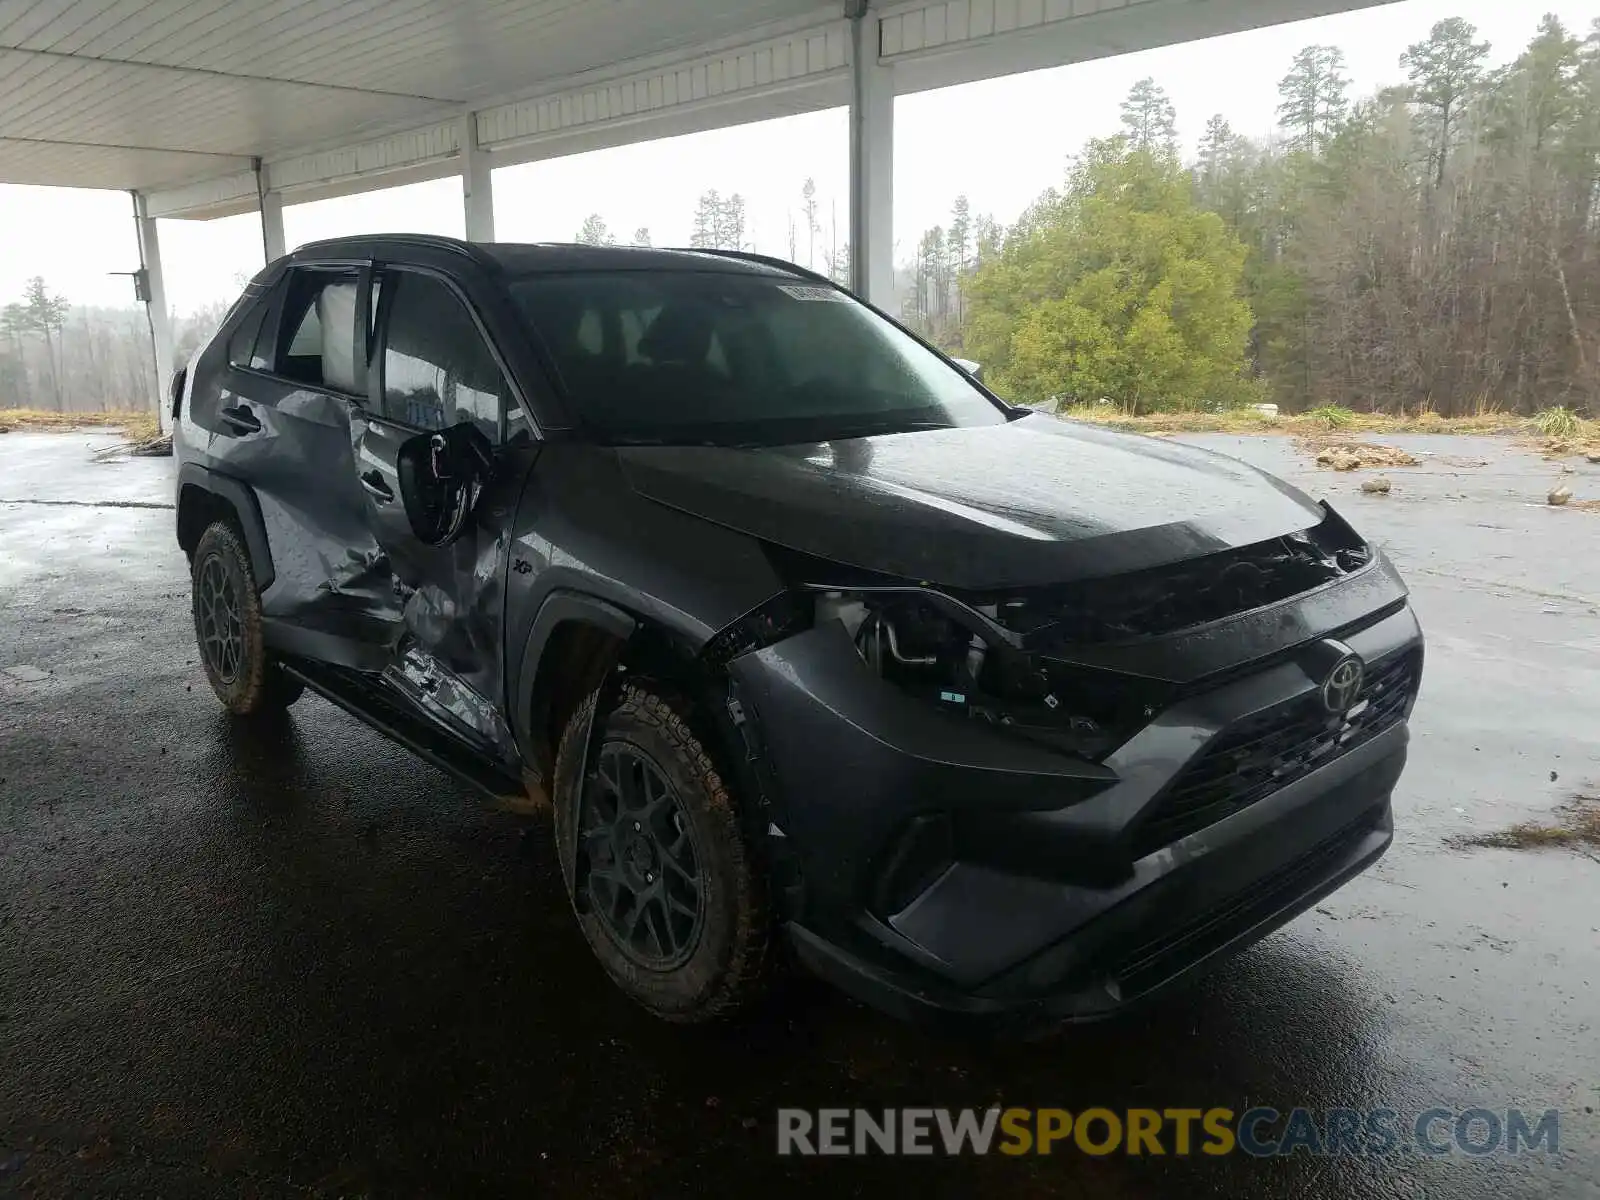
x: 808, y: 640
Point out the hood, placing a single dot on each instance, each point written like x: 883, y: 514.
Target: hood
x: 1034, y: 501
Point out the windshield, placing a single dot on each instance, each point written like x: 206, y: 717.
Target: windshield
x: 691, y: 357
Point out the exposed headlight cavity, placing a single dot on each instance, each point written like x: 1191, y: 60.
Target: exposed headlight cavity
x: 956, y: 657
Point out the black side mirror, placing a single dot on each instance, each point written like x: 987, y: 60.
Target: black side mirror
x: 462, y: 453
x: 441, y: 475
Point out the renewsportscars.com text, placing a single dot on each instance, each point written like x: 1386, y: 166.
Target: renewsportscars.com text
x: 1258, y: 1132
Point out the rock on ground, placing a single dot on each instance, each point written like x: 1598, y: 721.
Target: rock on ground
x: 1352, y: 456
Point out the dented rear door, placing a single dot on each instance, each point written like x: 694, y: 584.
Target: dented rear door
x: 282, y: 425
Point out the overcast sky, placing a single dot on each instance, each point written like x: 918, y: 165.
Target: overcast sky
x: 1001, y: 142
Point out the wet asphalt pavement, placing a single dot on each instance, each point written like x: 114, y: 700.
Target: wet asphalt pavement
x: 299, y: 962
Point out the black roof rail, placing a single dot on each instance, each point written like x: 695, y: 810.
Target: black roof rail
x: 767, y: 260
x: 368, y: 240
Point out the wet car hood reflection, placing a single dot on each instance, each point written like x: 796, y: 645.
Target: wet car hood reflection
x: 1036, y: 500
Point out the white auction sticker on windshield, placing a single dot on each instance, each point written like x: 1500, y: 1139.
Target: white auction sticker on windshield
x: 801, y: 292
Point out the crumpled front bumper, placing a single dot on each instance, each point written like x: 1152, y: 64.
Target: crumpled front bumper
x: 1033, y: 902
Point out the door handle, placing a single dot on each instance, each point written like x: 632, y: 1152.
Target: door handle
x: 373, y: 481
x: 241, y: 418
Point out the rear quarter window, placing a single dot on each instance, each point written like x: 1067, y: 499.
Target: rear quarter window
x: 244, y: 344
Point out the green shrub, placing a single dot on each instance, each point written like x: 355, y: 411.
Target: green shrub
x: 1333, y: 416
x: 1558, y: 422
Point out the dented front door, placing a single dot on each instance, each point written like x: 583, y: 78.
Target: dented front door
x: 432, y: 368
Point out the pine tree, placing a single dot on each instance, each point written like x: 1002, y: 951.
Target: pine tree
x: 930, y: 277
x: 730, y: 224
x: 46, y: 314
x: 595, y: 233
x: 987, y: 238
x: 14, y: 325
x: 1216, y: 144
x: 808, y: 197
x: 1548, y: 68
x: 1150, y: 119
x: 839, y: 264
x: 958, y: 242
x: 1313, y: 96
x: 1444, y: 70
x: 707, y: 221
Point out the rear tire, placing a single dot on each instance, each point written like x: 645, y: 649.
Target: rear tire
x: 228, y: 627
x: 656, y: 861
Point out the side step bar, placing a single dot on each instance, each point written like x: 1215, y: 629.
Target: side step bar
x: 351, y: 691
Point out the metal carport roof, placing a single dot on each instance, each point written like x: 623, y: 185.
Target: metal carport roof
x: 206, y: 108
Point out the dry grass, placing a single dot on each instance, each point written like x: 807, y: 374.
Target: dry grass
x: 139, y: 426
x: 1587, y: 443
x: 1318, y: 423
x: 1577, y: 825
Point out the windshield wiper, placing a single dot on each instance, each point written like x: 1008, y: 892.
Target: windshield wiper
x: 877, y: 428
x: 672, y: 441
x: 779, y: 437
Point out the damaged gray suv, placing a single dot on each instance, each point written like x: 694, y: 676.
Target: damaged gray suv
x: 811, y: 643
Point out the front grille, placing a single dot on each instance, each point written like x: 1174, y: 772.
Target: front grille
x: 1250, y: 760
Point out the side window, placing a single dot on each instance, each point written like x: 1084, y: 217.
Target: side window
x: 437, y: 369
x: 244, y: 345
x: 318, y: 334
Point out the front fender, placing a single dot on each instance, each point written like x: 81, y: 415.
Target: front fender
x: 559, y: 607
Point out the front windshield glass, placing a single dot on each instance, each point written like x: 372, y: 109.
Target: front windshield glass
x: 690, y: 357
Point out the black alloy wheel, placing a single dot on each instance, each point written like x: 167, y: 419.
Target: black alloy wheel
x: 217, y: 615
x: 643, y: 865
x: 229, y: 629
x: 656, y: 854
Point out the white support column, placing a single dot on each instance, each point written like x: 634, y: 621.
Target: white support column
x: 477, y: 188
x: 871, y: 162
x: 272, y: 243
x: 155, y: 306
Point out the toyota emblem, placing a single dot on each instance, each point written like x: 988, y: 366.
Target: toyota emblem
x: 1343, y: 684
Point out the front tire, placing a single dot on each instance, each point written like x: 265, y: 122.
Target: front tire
x: 228, y: 627
x: 656, y: 861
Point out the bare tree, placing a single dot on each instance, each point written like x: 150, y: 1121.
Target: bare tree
x: 808, y: 197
